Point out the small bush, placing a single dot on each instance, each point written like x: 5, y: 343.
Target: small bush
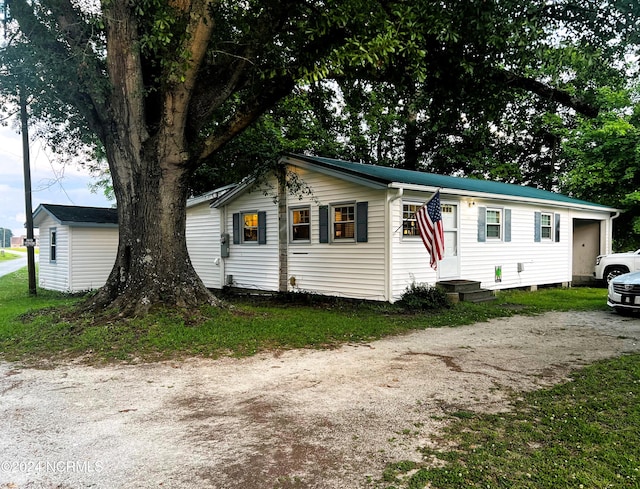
x: 424, y: 297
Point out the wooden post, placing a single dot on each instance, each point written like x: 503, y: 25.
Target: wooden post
x: 31, y: 262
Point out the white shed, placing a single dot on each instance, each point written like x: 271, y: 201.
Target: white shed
x: 78, y: 246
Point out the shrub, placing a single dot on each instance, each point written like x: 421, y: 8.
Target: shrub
x: 424, y: 297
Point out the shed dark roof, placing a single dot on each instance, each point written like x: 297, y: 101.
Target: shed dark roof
x: 77, y: 215
x: 387, y: 175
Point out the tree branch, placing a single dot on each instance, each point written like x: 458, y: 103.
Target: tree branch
x: 544, y: 91
x: 54, y: 55
x: 126, y: 100
x: 242, y: 118
x: 178, y: 97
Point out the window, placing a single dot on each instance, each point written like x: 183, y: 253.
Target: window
x: 344, y: 222
x: 301, y: 224
x: 52, y: 244
x: 250, y: 227
x: 545, y: 226
x: 494, y: 224
x: 409, y: 225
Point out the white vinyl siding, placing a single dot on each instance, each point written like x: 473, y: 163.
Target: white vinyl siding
x: 93, y: 253
x: 409, y: 257
x: 253, y: 265
x: 345, y: 268
x: 203, y: 243
x: 54, y: 275
x: 541, y: 264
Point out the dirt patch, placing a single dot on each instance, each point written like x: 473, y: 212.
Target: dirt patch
x: 294, y: 419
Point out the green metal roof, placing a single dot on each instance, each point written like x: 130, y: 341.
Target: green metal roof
x: 387, y: 175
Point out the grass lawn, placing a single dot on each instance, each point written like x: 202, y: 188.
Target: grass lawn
x: 583, y: 434
x: 249, y: 326
x: 36, y: 250
x: 7, y: 255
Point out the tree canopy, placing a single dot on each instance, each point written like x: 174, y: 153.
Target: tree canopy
x: 163, y: 88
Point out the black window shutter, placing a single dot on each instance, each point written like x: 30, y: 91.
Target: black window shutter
x: 557, y: 227
x: 537, y: 223
x: 507, y: 225
x: 236, y: 228
x: 262, y: 227
x: 482, y: 224
x: 324, y: 223
x: 362, y: 217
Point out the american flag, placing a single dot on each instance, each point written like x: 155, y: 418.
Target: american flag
x: 429, y: 219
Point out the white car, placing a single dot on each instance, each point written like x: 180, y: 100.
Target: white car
x: 624, y: 292
x: 610, y: 266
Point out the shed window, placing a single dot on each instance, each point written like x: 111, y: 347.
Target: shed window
x: 301, y: 224
x: 52, y: 244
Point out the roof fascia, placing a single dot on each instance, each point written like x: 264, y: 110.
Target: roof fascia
x: 343, y: 175
x: 41, y: 208
x: 209, y: 196
x: 232, y: 194
x: 501, y: 197
x: 76, y: 224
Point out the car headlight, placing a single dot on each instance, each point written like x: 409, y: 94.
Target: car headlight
x: 598, y: 260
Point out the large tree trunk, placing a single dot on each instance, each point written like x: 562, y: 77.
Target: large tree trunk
x: 149, y: 174
x: 152, y: 265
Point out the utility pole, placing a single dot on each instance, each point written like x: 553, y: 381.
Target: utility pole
x: 31, y: 242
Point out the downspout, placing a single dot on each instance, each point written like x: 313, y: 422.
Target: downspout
x: 388, y: 243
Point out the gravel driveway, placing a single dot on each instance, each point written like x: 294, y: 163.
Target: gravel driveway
x: 294, y: 419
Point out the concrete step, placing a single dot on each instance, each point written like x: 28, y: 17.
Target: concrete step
x: 459, y: 285
x: 482, y: 295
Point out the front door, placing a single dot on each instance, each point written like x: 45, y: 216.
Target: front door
x: 449, y: 267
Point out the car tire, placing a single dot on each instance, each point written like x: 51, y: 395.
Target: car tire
x: 612, y: 272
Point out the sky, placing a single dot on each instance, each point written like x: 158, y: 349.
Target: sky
x: 51, y: 183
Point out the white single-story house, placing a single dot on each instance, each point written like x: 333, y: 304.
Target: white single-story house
x: 348, y: 229
x: 78, y: 246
